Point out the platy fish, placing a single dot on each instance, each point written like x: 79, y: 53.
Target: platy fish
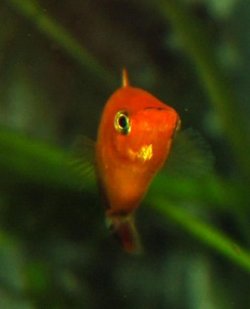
x: 135, y: 137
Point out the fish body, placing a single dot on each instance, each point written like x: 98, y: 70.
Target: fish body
x: 134, y: 139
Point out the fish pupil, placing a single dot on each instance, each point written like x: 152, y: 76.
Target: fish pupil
x: 123, y: 122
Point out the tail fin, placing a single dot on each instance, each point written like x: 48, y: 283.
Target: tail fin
x: 124, y: 229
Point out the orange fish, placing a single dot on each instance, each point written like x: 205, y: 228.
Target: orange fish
x: 134, y: 139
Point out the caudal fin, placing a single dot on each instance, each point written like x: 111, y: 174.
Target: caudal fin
x: 124, y: 229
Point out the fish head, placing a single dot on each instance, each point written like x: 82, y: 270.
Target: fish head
x: 138, y: 127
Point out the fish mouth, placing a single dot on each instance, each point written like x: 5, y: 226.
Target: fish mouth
x: 155, y: 108
x: 153, y: 119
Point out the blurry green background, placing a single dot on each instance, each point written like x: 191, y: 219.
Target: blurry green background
x: 59, y: 62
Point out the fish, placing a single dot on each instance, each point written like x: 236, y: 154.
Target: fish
x: 134, y: 139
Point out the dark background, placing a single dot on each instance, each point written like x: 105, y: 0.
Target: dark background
x: 59, y: 63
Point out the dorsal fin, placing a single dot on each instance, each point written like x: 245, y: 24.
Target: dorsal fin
x: 125, y: 80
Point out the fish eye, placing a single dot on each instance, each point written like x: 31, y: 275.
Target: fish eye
x: 122, y: 123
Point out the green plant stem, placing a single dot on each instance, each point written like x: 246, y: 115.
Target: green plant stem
x: 211, y: 191
x: 31, y: 10
x: 205, y: 233
x: 23, y: 160
x: 200, y: 49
